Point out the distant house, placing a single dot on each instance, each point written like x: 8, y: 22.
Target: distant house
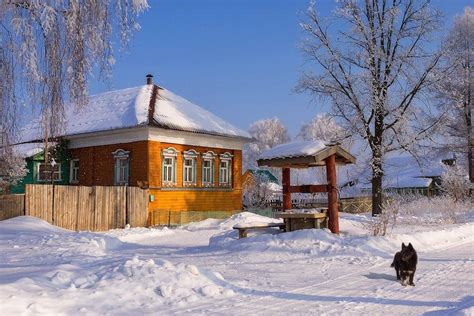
x: 403, y: 174
x: 147, y: 136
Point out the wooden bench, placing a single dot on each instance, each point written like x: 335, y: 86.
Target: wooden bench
x: 243, y: 229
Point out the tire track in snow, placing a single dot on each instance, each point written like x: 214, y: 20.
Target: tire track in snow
x: 207, y: 308
x: 398, y: 296
x: 362, y: 293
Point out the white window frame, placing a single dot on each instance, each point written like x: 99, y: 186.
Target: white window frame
x: 189, y: 171
x: 38, y: 173
x: 169, y: 153
x: 227, y: 158
x: 208, y: 157
x: 119, y: 156
x: 73, y: 171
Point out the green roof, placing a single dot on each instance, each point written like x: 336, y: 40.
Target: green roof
x: 265, y: 174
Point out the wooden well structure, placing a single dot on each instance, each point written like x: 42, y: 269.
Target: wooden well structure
x: 307, y: 155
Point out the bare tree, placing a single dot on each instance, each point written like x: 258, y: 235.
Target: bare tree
x: 456, y: 87
x: 49, y: 48
x: 374, y: 65
x: 267, y: 134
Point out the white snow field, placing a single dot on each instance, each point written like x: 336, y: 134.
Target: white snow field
x: 202, y: 269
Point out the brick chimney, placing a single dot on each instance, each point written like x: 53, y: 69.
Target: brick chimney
x: 149, y: 79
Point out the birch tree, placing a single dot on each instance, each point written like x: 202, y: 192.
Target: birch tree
x: 374, y: 64
x: 267, y: 134
x: 49, y: 48
x: 322, y: 127
x: 456, y: 87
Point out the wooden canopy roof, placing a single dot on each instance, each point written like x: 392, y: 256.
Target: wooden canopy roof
x: 304, y: 155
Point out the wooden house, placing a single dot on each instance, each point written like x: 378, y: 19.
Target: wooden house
x: 147, y: 136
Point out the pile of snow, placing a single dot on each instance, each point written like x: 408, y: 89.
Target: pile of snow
x: 140, y: 235
x: 323, y: 242
x: 294, y: 149
x: 26, y: 232
x: 246, y: 219
x: 91, y: 272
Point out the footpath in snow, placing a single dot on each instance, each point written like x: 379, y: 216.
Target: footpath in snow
x: 202, y: 268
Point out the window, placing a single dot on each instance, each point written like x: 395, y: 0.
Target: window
x: 207, y: 174
x: 224, y: 172
x: 208, y: 169
x: 121, y: 172
x: 169, y: 166
x: 188, y: 171
x: 168, y: 170
x: 49, y: 172
x: 225, y: 169
x: 74, y: 171
x: 189, y: 167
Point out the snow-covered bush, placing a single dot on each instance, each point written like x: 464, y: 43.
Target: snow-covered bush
x: 417, y: 210
x: 258, y: 192
x: 383, y: 223
x: 455, y: 183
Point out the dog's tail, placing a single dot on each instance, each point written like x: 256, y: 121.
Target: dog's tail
x: 393, y: 264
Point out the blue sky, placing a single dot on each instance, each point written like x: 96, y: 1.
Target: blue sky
x: 237, y: 58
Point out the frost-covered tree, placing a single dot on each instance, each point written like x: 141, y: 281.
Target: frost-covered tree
x: 455, y: 183
x: 12, y: 168
x: 267, y: 134
x: 456, y: 87
x: 49, y: 48
x: 322, y: 127
x: 374, y: 64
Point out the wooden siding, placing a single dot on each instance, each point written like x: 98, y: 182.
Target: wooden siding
x: 96, y: 167
x: 96, y: 164
x: 197, y: 198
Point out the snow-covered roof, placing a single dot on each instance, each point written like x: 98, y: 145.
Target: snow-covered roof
x: 175, y: 112
x: 303, y: 154
x: 294, y: 149
x: 128, y: 108
x: 404, y: 171
x: 29, y: 149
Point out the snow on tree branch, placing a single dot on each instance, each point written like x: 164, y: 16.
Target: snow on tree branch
x: 50, y: 48
x: 375, y: 63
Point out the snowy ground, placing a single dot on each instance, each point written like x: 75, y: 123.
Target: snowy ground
x: 203, y: 269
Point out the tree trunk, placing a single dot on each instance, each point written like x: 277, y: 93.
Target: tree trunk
x: 376, y: 193
x: 377, y: 169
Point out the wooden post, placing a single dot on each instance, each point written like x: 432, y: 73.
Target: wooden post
x: 333, y: 211
x: 286, y: 189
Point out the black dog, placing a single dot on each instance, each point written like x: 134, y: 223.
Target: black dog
x: 404, y: 263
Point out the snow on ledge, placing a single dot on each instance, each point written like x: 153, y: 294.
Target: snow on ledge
x: 294, y: 149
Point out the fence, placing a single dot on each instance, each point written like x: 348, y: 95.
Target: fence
x: 355, y: 205
x: 349, y: 205
x: 96, y: 208
x: 12, y: 206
